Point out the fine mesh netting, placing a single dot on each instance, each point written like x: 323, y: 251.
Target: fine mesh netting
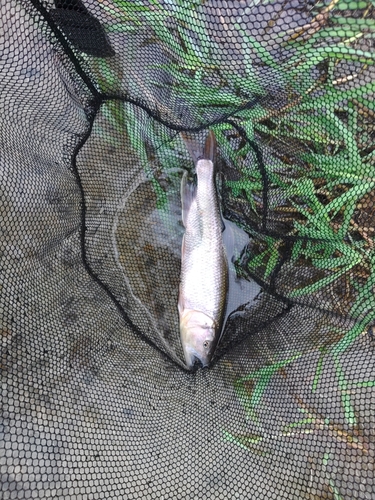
x: 96, y: 96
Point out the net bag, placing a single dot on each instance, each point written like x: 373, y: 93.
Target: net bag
x: 97, y: 97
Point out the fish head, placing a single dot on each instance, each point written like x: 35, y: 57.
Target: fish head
x: 198, y: 336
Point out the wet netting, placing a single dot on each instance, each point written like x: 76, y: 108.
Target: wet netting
x: 99, y: 99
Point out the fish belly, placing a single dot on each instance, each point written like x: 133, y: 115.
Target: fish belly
x: 203, y: 279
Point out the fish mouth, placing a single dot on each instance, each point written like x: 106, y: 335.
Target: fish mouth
x: 196, y: 365
x: 194, y: 360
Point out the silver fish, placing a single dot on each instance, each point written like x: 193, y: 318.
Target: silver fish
x: 204, y: 266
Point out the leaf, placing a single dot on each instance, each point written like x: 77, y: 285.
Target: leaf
x: 206, y: 96
x: 248, y: 84
x: 243, y: 440
x: 272, y: 262
x: 121, y: 28
x: 258, y: 49
x: 127, y: 6
x: 296, y: 251
x: 318, y: 285
x: 262, y: 378
x: 247, y: 442
x: 247, y: 186
x: 300, y: 423
x: 367, y: 23
x: 368, y: 383
x: 350, y: 336
x: 339, y: 51
x: 345, y: 397
x: 335, y: 491
x: 196, y: 54
x: 319, y: 369
x: 334, y: 96
x: 351, y: 5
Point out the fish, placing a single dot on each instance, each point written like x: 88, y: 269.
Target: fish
x: 204, y: 265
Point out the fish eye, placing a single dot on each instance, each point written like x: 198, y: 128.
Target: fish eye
x: 206, y: 344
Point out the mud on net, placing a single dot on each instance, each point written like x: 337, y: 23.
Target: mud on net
x: 96, y: 401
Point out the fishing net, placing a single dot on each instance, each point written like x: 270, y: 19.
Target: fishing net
x: 96, y: 398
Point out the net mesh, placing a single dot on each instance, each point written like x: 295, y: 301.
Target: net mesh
x: 96, y: 399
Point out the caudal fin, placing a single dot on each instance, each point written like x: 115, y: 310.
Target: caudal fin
x: 210, y: 146
x: 195, y: 149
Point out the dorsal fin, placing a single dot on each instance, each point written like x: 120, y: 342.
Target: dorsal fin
x: 188, y: 193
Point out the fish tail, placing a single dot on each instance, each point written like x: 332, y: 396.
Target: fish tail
x: 210, y: 146
x: 195, y: 149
